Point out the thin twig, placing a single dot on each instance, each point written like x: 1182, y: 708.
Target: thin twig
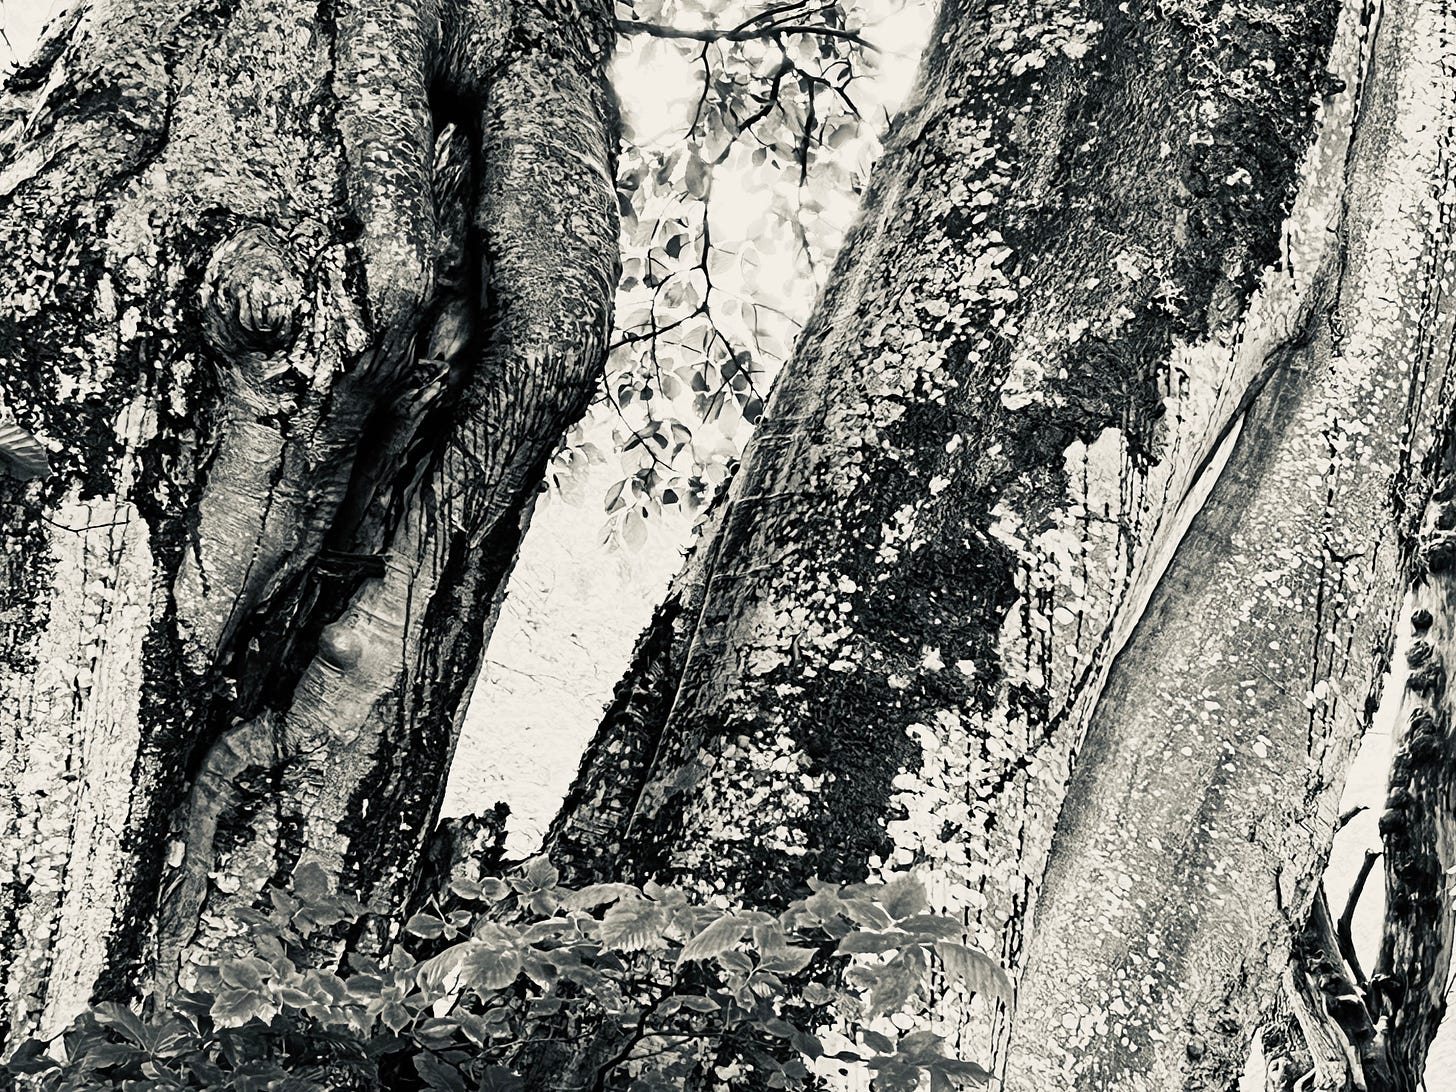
x: 740, y: 34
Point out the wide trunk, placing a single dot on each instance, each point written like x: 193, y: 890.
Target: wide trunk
x: 1198, y: 822
x: 1070, y: 287
x: 299, y: 299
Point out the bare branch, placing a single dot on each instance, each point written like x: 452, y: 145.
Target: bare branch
x: 1343, y: 931
x: 1346, y: 816
x: 740, y: 34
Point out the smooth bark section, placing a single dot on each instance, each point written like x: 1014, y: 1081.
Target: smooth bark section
x: 303, y: 298
x: 1010, y: 402
x: 1198, y: 822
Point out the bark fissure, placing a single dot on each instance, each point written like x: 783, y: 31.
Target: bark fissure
x: 1197, y: 824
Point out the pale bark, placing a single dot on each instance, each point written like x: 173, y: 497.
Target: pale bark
x: 301, y: 299
x: 1033, y: 358
x: 1198, y: 822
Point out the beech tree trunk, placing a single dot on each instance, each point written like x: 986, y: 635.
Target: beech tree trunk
x: 299, y: 299
x: 1197, y: 825
x: 1103, y: 259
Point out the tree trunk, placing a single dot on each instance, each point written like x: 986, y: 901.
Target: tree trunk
x: 300, y: 301
x: 1197, y: 825
x: 1032, y: 361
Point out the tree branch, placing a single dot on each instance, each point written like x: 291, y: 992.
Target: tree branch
x: 740, y: 34
x: 1343, y: 931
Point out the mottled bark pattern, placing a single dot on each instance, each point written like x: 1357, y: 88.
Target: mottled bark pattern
x: 587, y: 840
x: 301, y: 298
x: 1025, y: 374
x: 1198, y: 822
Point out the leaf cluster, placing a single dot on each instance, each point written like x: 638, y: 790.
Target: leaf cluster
x: 730, y: 214
x: 491, y: 974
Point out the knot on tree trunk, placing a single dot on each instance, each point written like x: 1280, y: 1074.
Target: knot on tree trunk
x: 251, y: 295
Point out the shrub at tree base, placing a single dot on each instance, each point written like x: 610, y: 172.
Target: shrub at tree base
x: 492, y: 970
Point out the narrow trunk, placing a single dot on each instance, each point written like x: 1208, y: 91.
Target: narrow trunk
x: 1029, y: 367
x: 301, y: 298
x: 1198, y: 823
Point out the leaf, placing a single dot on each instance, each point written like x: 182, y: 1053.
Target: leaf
x: 245, y: 974
x: 598, y: 894
x: 311, y: 884
x: 294, y: 998
x: 234, y: 1008
x: 497, y: 1078
x: 920, y: 1046
x: 978, y: 971
x: 877, y: 1042
x: 791, y: 960
x: 806, y: 1044
x: 484, y: 963
x: 933, y: 925
x: 779, y: 1028
x: 122, y: 1020
x: 425, y: 925
x: 895, y: 981
x: 697, y: 177
x: 395, y: 1016
x: 326, y: 987
x: 438, y: 1075
x: 31, y: 1057
x: 105, y: 1055
x: 614, y: 499
x: 467, y: 889
x: 493, y: 889
x: 903, y: 896
x: 699, y: 1004
x: 959, y: 1073
x: 868, y: 942
x: 541, y: 872
x: 634, y: 530
x: 816, y: 993
x: 865, y: 913
x: 721, y: 936
x: 633, y: 926
x: 366, y: 986
x: 21, y: 454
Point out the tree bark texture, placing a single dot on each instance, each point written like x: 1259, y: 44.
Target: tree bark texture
x: 1198, y: 822
x: 1074, y: 279
x: 300, y: 298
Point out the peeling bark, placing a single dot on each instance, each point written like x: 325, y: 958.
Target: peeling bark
x: 301, y: 300
x: 1031, y: 363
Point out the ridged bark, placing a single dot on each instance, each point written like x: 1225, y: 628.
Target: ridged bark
x: 300, y: 298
